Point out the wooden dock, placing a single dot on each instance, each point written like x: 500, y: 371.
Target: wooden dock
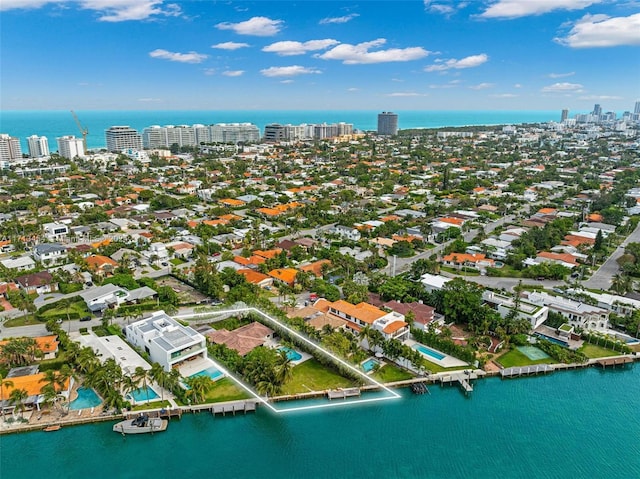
x: 234, y: 407
x: 343, y: 393
x: 617, y: 361
x: 462, y: 378
x: 516, y: 372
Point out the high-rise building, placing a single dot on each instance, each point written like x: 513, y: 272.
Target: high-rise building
x: 38, y: 146
x: 123, y: 138
x: 234, y: 133
x: 597, y: 110
x: 636, y: 110
x: 565, y: 115
x: 69, y: 147
x: 10, y: 148
x: 387, y: 123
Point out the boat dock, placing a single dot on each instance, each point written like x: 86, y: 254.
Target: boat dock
x: 463, y: 379
x: 516, y: 372
x: 343, y: 393
x: 619, y: 360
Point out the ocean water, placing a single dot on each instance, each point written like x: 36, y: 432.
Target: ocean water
x: 53, y: 124
x: 578, y: 424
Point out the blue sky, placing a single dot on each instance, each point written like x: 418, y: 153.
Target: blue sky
x: 393, y: 55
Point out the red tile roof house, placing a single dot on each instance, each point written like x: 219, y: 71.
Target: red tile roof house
x: 40, y: 283
x: 477, y: 260
x: 244, y: 339
x: 423, y: 313
x: 391, y: 325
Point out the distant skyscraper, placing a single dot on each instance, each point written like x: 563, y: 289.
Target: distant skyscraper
x: 234, y: 133
x: 69, y: 147
x: 123, y: 138
x: 636, y: 110
x: 597, y: 110
x: 9, y: 148
x: 387, y: 123
x: 38, y: 146
x: 565, y: 115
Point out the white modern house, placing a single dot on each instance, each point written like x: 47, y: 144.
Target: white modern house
x: 101, y: 297
x: 167, y: 342
x: 55, y: 231
x: 535, y: 314
x: 433, y: 282
x: 49, y: 253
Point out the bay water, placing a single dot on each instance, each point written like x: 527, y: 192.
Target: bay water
x: 576, y: 424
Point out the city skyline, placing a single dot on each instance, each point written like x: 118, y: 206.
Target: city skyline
x: 432, y: 54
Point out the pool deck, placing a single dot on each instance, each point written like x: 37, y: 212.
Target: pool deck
x: 446, y: 362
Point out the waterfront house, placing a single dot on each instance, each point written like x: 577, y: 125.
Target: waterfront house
x: 243, y: 339
x: 582, y: 315
x: 391, y: 325
x: 534, y: 314
x: 166, y: 341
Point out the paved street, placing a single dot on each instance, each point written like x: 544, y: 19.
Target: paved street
x: 601, y: 279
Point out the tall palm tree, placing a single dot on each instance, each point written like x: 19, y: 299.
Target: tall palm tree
x: 199, y: 386
x: 17, y: 398
x: 140, y: 377
x: 4, y: 384
x: 282, y: 368
x: 159, y: 375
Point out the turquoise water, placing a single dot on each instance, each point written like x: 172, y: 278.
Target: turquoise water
x: 577, y: 424
x: 369, y: 364
x: 53, y: 124
x: 292, y: 354
x: 428, y: 351
x: 143, y: 394
x: 87, y: 398
x: 553, y: 340
x: 212, y: 372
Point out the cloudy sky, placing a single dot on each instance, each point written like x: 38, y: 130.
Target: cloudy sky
x: 395, y: 55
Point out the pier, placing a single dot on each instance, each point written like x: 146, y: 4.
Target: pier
x: 343, y: 393
x: 516, y: 372
x: 619, y: 360
x: 462, y: 378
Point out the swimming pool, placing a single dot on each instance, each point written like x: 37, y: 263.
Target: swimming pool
x: 553, y: 340
x: 369, y: 365
x: 212, y: 372
x: 143, y: 395
x: 292, y: 354
x: 429, y: 352
x: 87, y: 398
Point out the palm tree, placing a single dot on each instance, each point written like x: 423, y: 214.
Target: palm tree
x: 4, y: 384
x: 159, y: 375
x: 266, y: 388
x: 283, y: 368
x: 139, y: 378
x: 199, y: 386
x: 17, y: 398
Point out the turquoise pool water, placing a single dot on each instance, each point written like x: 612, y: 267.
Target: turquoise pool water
x: 369, y: 365
x: 143, y: 394
x: 553, y: 340
x: 212, y: 372
x: 428, y: 351
x: 87, y: 398
x: 292, y: 354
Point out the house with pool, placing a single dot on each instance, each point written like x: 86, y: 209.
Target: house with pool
x: 391, y: 324
x: 535, y: 314
x: 167, y: 342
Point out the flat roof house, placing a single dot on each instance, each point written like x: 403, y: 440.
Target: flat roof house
x: 167, y: 342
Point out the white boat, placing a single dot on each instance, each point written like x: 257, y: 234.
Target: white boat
x: 141, y: 425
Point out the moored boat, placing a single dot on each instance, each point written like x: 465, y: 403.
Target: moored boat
x: 54, y: 427
x: 141, y: 425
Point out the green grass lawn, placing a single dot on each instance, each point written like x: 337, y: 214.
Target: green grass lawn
x: 21, y: 321
x: 313, y: 376
x: 78, y: 307
x: 226, y: 390
x: 515, y: 358
x: 390, y: 373
x: 151, y: 405
x: 177, y: 261
x: 592, y: 351
x: 448, y: 269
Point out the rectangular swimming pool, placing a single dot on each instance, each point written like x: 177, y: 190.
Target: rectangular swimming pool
x: 143, y: 395
x: 292, y: 354
x: 429, y: 352
x: 212, y: 372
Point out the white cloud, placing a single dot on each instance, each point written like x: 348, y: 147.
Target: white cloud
x: 353, y: 89
x: 444, y: 7
x: 603, y: 31
x: 563, y: 87
x: 504, y: 95
x: 523, y: 8
x: 360, y: 54
x: 230, y: 45
x: 257, y: 26
x: 561, y: 75
x: 344, y: 19
x: 517, y: 85
x: 467, y: 62
x: 110, y: 10
x: 190, y: 57
x: 288, y: 48
x: 600, y: 97
x: 482, y: 86
x: 233, y: 73
x: 286, y: 82
x: 451, y: 84
x: 209, y: 71
x: 289, y: 71
x: 150, y: 100
x: 405, y: 94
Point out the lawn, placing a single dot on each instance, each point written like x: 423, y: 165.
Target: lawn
x: 226, y: 390
x: 152, y: 405
x: 390, y: 373
x: 460, y: 272
x: 313, y: 376
x: 592, y: 351
x: 79, y: 308
x: 177, y: 261
x: 21, y: 321
x: 515, y: 358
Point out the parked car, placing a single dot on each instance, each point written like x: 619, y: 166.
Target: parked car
x: 85, y: 318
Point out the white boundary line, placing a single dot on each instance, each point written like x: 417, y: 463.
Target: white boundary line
x: 393, y: 394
